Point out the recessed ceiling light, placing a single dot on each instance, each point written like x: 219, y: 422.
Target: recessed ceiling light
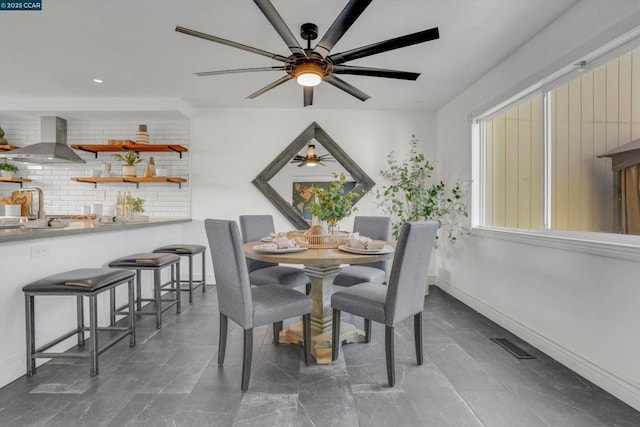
x: 98, y: 81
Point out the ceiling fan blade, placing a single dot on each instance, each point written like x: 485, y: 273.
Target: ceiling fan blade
x: 308, y: 95
x: 231, y: 43
x: 238, y: 70
x: 387, y: 45
x: 280, y: 26
x: 347, y: 17
x: 350, y: 89
x: 302, y: 164
x: 374, y: 72
x: 269, y: 87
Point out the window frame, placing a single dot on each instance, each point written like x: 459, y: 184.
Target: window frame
x: 607, y: 244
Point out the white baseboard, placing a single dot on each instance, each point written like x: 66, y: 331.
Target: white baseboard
x: 620, y: 387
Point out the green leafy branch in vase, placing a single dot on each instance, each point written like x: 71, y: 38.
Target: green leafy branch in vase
x: 331, y: 204
x: 411, y: 197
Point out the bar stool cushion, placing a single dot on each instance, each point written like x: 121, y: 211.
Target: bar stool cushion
x: 181, y: 249
x: 145, y: 260
x: 78, y: 281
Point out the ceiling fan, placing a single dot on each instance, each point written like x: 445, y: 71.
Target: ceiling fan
x: 310, y: 66
x: 311, y: 159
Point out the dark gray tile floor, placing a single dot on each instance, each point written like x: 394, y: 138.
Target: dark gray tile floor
x: 172, y: 379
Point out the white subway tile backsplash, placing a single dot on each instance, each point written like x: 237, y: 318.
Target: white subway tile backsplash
x: 64, y: 196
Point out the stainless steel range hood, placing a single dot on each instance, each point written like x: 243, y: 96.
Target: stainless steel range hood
x: 53, y: 147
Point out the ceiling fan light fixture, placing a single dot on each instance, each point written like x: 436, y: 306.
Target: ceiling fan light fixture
x: 309, y: 74
x: 311, y: 162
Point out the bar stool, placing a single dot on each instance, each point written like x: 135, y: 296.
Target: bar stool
x: 188, y: 251
x: 154, y: 262
x: 86, y: 282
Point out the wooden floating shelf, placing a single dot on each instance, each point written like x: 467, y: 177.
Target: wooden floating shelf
x: 5, y: 147
x: 13, y: 180
x: 112, y: 148
x: 132, y: 179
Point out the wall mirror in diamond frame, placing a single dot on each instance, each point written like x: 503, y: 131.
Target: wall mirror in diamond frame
x: 310, y: 159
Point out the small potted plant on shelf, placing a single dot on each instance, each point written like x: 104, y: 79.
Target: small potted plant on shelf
x: 331, y: 204
x: 130, y: 158
x: 138, y: 205
x: 7, y: 169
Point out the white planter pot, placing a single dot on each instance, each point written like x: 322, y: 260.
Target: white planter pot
x: 6, y: 174
x: 129, y: 170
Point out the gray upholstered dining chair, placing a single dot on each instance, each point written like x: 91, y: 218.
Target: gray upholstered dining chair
x: 403, y: 297
x: 255, y: 227
x: 249, y: 307
x: 377, y: 228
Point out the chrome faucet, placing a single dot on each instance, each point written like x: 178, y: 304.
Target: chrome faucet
x: 37, y: 190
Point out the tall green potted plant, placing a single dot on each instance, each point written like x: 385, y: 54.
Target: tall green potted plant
x: 332, y: 204
x: 412, y: 196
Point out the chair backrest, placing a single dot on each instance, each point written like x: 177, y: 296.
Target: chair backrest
x: 230, y: 271
x: 255, y: 227
x: 408, y: 278
x: 377, y: 228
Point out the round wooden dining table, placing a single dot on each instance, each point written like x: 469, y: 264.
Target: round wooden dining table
x: 322, y: 266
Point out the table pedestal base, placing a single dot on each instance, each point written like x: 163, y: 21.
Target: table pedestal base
x: 321, y: 342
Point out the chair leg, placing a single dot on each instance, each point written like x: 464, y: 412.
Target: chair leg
x: 367, y: 330
x: 157, y: 296
x: 178, y: 289
x: 306, y: 336
x: 31, y: 344
x: 132, y: 314
x: 277, y: 327
x: 203, y: 271
x: 335, y: 335
x: 417, y: 332
x: 222, y: 339
x: 246, y: 358
x: 93, y: 338
x: 388, y: 346
x: 190, y: 278
x: 307, y: 289
x: 80, y: 319
x: 139, y: 290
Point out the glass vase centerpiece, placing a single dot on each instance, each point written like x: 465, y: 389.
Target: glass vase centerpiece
x: 331, y: 204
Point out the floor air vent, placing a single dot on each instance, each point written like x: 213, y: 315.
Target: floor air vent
x: 512, y: 348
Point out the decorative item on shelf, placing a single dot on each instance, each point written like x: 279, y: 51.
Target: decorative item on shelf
x: 142, y: 137
x: 2, y: 140
x: 150, y: 169
x: 106, y: 170
x: 411, y: 197
x: 130, y: 158
x: 137, y: 205
x: 7, y: 169
x: 331, y: 204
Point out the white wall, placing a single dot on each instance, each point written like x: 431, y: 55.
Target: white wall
x: 581, y: 308
x: 63, y: 196
x: 229, y: 147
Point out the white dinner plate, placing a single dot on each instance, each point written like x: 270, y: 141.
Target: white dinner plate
x: 259, y: 248
x: 385, y: 250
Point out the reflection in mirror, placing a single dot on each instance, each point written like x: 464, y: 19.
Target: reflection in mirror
x: 287, y: 179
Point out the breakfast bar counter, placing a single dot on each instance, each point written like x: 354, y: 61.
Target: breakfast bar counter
x: 27, y: 255
x: 82, y: 226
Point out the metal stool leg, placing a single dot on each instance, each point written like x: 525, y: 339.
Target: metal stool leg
x: 158, y: 297
x: 132, y: 315
x: 31, y: 345
x: 190, y: 278
x: 139, y: 290
x: 112, y: 306
x: 179, y: 289
x: 80, y: 317
x: 93, y: 328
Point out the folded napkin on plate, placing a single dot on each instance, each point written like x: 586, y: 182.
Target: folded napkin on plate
x: 356, y: 241
x: 277, y: 235
x: 280, y: 243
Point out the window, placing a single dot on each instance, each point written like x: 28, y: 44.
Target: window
x: 542, y: 164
